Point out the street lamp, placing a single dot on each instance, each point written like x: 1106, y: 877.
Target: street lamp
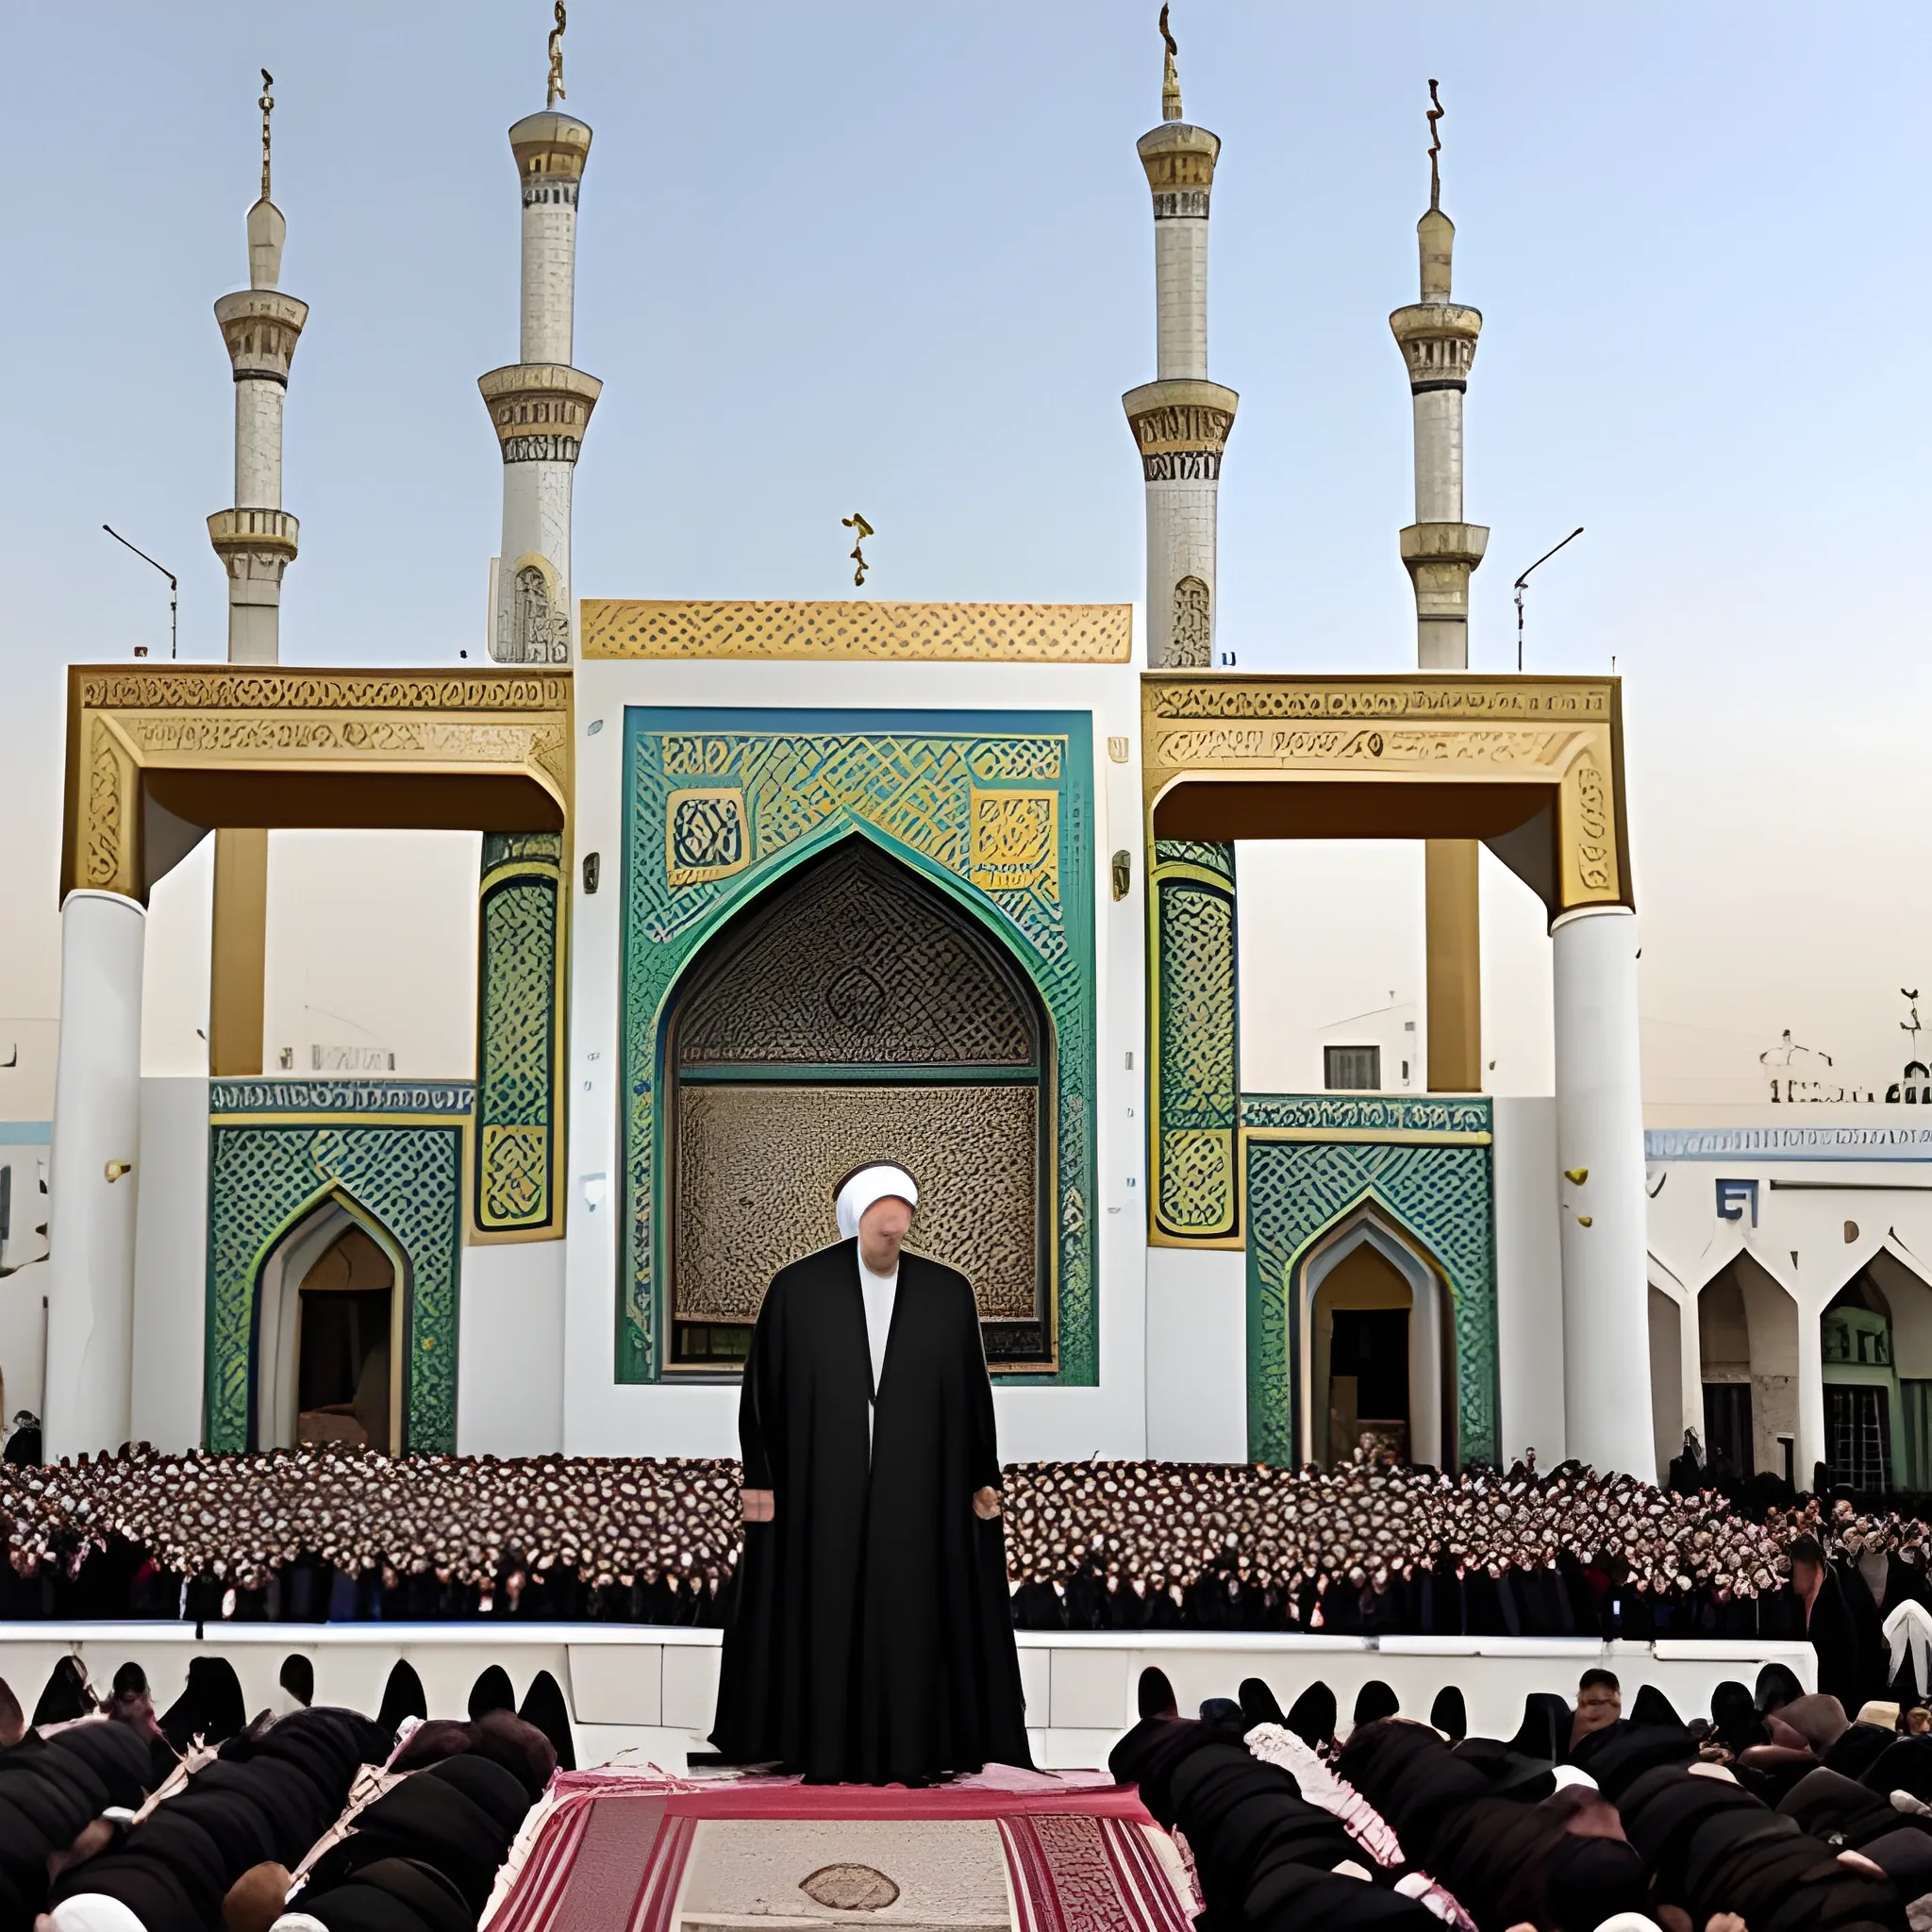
x: 1524, y: 578
x: 174, y: 594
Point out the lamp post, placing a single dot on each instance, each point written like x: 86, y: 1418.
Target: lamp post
x: 174, y: 594
x: 1524, y: 578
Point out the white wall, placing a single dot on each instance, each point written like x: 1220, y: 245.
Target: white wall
x: 1197, y: 1383
x: 171, y: 1264
x: 1332, y: 953
x: 25, y: 1150
x: 1331, y: 946
x: 372, y: 942
x: 175, y: 973
x: 510, y: 1349
x: 601, y: 1416
x: 1529, y: 1281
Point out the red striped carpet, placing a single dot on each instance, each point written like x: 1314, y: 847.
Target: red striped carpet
x: 611, y: 1851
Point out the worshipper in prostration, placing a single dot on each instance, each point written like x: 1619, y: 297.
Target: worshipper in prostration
x: 870, y: 1640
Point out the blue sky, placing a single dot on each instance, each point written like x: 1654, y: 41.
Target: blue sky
x: 898, y: 259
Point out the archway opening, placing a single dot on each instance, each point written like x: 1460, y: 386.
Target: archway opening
x: 1864, y: 1426
x: 345, y: 1308
x: 329, y: 1314
x: 1379, y: 1342
x: 1908, y: 1295
x: 854, y: 1011
x: 1747, y: 1339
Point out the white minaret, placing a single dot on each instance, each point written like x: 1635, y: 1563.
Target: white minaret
x: 540, y: 404
x: 1181, y: 420
x: 1438, y: 341
x: 255, y: 539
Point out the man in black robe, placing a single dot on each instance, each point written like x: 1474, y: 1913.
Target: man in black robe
x: 870, y: 1640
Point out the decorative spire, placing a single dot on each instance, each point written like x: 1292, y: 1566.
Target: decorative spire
x: 267, y: 104
x: 1435, y: 233
x: 1436, y: 113
x: 555, y: 92
x: 1169, y: 81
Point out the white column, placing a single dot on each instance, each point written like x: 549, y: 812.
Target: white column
x: 1810, y: 1450
x: 1599, y: 1138
x: 95, y: 1175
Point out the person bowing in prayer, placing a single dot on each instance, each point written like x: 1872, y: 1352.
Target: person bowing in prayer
x: 869, y: 1640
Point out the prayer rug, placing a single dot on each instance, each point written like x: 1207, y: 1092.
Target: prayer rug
x: 616, y: 1851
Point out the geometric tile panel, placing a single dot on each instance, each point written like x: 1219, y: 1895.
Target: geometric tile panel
x: 389, y: 1151
x: 1440, y: 1192
x: 1194, y: 1021
x: 519, y: 1038
x: 994, y: 810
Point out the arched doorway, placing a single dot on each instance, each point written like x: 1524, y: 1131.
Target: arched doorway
x: 1747, y: 1341
x: 1379, y: 1346
x: 1866, y: 1441
x: 329, y: 1337
x: 850, y: 1012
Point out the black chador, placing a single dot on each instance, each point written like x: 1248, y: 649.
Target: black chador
x: 870, y: 1640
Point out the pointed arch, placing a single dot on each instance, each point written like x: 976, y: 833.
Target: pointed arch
x: 1372, y: 1223
x: 852, y: 1005
x: 304, y: 1237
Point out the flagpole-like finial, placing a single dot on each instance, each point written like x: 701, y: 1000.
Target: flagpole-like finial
x: 1169, y: 81
x: 1435, y: 114
x: 555, y: 92
x: 267, y: 104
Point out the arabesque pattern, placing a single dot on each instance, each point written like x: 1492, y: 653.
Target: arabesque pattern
x: 520, y: 1001
x: 1195, y: 1078
x: 1443, y: 1194
x: 913, y: 782
x: 374, y: 1152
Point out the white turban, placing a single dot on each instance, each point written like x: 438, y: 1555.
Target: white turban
x: 93, y: 1911
x: 879, y: 1183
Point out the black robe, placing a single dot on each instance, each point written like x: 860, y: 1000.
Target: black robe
x: 869, y: 1640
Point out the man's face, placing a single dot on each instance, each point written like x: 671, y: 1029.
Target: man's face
x: 1598, y: 1707
x: 882, y: 1230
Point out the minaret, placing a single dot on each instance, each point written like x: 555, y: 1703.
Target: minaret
x: 1181, y: 420
x: 1438, y: 341
x: 255, y: 539
x: 540, y: 404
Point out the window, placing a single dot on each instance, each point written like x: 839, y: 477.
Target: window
x: 1352, y: 1068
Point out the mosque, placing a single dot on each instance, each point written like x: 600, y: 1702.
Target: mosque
x: 767, y: 889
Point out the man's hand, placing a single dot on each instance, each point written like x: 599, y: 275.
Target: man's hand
x: 758, y: 1506
x: 985, y: 1505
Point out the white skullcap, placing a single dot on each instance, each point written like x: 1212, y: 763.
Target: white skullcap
x: 877, y: 1183
x: 94, y: 1911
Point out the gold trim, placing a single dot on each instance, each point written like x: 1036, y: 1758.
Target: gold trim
x: 613, y: 627
x: 350, y: 1117
x: 1372, y: 1137
x: 286, y: 746
x: 237, y: 958
x: 1420, y: 755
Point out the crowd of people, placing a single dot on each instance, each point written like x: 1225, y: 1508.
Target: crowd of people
x: 114, y: 1819
x: 1774, y: 1813
x: 334, y: 1534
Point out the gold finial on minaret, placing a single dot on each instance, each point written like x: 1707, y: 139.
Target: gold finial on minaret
x: 267, y: 104
x: 1435, y: 114
x: 555, y: 90
x: 1169, y: 81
